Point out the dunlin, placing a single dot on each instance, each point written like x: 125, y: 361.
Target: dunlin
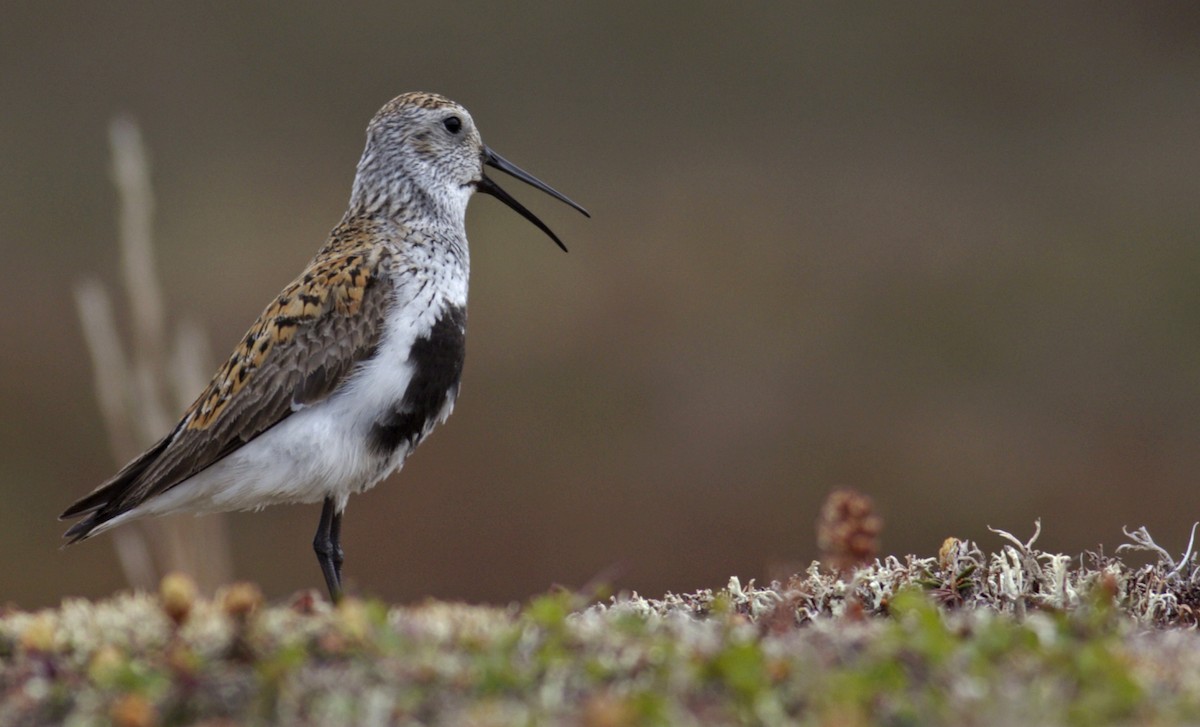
x: 354, y: 363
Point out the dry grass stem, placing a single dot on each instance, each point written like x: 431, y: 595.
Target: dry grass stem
x: 131, y: 175
x: 139, y: 394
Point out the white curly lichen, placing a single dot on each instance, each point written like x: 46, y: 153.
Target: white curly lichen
x: 1017, y: 580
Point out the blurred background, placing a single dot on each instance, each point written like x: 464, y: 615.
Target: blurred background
x: 949, y: 259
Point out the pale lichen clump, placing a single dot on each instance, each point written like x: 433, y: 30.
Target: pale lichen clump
x: 1014, y: 580
x: 1015, y: 636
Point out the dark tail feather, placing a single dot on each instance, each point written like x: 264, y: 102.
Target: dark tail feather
x: 111, y: 498
x: 81, y: 529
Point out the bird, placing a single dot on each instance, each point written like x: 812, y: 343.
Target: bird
x: 354, y: 363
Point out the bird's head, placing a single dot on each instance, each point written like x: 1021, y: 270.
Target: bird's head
x: 424, y: 150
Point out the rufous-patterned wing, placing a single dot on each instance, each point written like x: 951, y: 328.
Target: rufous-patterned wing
x: 297, y: 352
x: 302, y: 346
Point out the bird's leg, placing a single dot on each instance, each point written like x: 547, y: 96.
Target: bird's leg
x: 323, y: 544
x: 335, y: 537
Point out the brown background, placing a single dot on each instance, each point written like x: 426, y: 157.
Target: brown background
x: 949, y: 258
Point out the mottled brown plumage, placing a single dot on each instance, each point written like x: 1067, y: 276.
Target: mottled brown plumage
x: 304, y: 343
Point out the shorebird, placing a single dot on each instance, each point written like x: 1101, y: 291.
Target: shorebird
x: 354, y: 363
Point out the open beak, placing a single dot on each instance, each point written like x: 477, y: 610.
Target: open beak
x: 487, y: 186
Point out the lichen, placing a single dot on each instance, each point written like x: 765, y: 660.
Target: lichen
x: 1013, y: 636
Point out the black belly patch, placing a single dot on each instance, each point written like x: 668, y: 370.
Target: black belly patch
x: 437, y: 361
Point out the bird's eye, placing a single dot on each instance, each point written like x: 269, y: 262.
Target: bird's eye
x: 453, y: 124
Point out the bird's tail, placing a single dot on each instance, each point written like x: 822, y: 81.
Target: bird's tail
x: 111, y: 498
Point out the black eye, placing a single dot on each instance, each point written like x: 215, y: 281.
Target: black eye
x: 453, y: 124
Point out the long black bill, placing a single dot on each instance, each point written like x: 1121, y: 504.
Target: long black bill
x: 487, y: 186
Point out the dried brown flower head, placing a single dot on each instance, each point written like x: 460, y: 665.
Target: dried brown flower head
x: 848, y: 530
x: 177, y: 592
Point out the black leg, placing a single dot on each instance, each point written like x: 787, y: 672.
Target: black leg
x: 323, y: 544
x: 335, y: 537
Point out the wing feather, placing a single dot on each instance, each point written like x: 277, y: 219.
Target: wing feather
x: 302, y: 346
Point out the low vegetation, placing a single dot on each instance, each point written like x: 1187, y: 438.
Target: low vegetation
x: 1016, y: 636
